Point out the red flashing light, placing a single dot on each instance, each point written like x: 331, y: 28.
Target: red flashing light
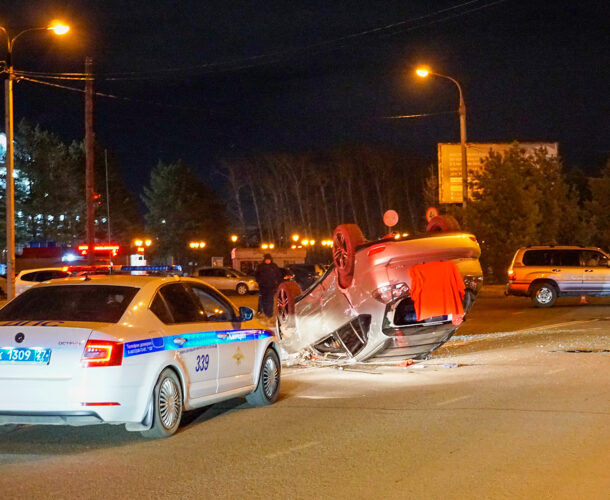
x: 111, y: 248
x: 102, y: 353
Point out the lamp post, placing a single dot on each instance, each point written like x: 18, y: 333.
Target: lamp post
x: 58, y: 29
x: 423, y: 73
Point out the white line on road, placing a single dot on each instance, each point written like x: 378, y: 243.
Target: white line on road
x: 293, y: 449
x: 441, y: 403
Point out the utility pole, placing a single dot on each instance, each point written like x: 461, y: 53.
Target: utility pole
x: 89, y: 161
x: 10, y: 188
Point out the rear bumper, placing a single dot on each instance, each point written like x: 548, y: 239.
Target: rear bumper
x: 518, y: 289
x: 90, y: 395
x: 415, y: 341
x: 46, y: 418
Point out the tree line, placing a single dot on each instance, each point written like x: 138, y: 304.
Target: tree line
x: 517, y: 199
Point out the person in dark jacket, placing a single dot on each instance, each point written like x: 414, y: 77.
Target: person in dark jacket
x: 268, y: 276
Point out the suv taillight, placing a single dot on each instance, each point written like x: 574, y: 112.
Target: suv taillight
x: 388, y: 293
x: 102, y: 353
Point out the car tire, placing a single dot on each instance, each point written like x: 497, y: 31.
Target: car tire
x: 544, y: 294
x: 166, y: 407
x: 268, y: 386
x: 285, y: 302
x: 443, y: 223
x: 345, y: 240
x: 242, y: 289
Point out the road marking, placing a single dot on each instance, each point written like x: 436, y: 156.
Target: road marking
x: 441, y: 403
x: 292, y: 450
x: 465, y: 339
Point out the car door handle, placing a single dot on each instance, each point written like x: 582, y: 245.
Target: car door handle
x: 180, y: 340
x: 222, y: 335
x: 588, y: 270
x: 556, y: 270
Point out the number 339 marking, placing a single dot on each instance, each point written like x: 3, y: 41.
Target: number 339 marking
x: 203, y: 362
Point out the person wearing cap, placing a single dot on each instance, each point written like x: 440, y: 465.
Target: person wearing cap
x: 268, y: 277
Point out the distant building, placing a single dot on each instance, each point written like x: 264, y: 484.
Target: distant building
x: 450, y: 163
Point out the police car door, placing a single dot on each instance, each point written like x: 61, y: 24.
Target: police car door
x: 191, y: 335
x: 236, y: 348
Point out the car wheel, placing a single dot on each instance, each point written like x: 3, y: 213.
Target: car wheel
x: 442, y: 223
x: 242, y: 289
x: 544, y: 295
x: 345, y: 240
x: 285, y: 302
x: 268, y: 386
x: 167, y: 406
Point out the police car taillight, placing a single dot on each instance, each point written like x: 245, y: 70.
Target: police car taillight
x: 102, y: 353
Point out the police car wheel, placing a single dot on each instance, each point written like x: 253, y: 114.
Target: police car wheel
x: 167, y: 406
x: 241, y: 289
x: 268, y: 381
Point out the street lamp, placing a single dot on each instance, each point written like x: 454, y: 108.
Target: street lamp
x: 59, y: 29
x: 423, y: 73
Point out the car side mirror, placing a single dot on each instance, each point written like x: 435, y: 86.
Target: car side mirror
x: 245, y: 313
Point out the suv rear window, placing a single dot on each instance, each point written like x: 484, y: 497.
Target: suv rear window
x: 97, y: 303
x: 551, y: 258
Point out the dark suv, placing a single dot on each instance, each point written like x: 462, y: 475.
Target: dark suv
x: 547, y: 272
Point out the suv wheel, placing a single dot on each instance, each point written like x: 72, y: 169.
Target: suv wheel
x: 544, y: 295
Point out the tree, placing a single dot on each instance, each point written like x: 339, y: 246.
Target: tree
x: 599, y: 208
x: 520, y: 200
x: 181, y: 208
x: 126, y: 222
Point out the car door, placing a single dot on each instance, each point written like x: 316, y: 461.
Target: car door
x: 192, y: 335
x: 596, y: 273
x: 567, y: 270
x: 236, y: 348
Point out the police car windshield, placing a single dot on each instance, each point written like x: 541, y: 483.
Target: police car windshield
x: 97, y: 303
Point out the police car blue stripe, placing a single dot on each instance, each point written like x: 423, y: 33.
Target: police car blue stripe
x: 194, y: 339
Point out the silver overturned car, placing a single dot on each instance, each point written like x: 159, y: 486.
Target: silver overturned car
x: 370, y: 303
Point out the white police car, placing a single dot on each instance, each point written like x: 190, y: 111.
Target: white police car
x: 133, y: 350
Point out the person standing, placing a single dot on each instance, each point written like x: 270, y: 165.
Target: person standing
x: 268, y: 277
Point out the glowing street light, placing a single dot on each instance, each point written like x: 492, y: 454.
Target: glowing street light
x: 197, y: 245
x: 234, y: 238
x: 423, y: 72
x: 58, y: 29
x: 295, y: 237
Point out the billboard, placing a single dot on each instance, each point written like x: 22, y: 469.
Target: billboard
x: 450, y: 163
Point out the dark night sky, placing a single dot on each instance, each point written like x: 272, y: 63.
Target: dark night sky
x: 198, y: 90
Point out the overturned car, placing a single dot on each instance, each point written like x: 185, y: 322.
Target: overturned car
x: 384, y: 299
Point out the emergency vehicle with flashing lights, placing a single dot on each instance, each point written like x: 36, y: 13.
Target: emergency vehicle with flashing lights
x: 133, y: 350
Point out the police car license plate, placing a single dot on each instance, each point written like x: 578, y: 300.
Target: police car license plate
x: 37, y: 355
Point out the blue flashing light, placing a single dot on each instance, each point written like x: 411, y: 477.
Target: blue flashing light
x: 151, y: 268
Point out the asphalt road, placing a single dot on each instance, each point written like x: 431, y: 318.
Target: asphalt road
x: 517, y: 405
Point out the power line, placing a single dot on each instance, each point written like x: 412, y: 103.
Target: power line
x: 241, y: 63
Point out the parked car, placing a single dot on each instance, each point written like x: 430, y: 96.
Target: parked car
x: 133, y: 350
x: 367, y: 303
x: 30, y: 277
x: 546, y: 272
x: 305, y: 275
x: 225, y: 278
